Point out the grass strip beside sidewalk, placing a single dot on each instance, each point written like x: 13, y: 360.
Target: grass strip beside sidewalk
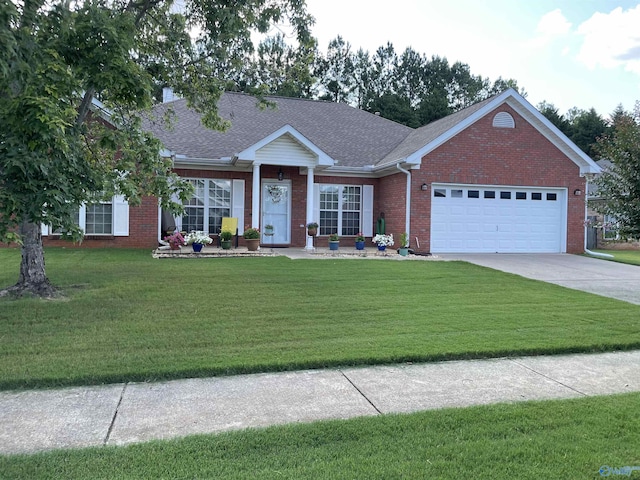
x: 551, y: 439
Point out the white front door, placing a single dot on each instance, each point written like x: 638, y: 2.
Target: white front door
x: 276, y: 211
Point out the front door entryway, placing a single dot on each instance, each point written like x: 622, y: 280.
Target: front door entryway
x: 276, y: 211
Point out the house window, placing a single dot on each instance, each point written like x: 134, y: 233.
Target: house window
x: 521, y: 195
x: 505, y: 195
x: 552, y: 196
x: 489, y: 194
x: 99, y: 219
x: 456, y: 193
x: 211, y: 201
x: 439, y: 192
x: 536, y: 196
x: 473, y: 194
x: 340, y: 209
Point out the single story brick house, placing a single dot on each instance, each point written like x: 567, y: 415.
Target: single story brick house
x: 494, y: 177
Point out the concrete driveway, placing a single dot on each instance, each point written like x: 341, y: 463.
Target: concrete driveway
x: 593, y: 275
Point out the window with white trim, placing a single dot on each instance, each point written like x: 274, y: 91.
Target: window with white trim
x: 210, y: 203
x: 340, y: 209
x: 99, y: 219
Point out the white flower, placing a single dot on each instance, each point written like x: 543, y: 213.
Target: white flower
x: 386, y: 240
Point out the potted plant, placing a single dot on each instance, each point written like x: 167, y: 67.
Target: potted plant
x: 360, y: 241
x: 252, y: 237
x: 334, y: 241
x: 383, y: 241
x: 268, y: 230
x: 197, y: 240
x: 175, y: 240
x: 225, y: 239
x: 312, y: 229
x: 404, y: 244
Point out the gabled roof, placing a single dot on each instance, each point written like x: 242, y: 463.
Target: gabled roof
x: 347, y: 135
x: 335, y: 132
x: 427, y: 138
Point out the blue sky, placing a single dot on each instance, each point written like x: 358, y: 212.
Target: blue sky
x: 572, y: 53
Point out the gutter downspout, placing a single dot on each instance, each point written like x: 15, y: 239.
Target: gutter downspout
x: 586, y: 217
x: 407, y: 219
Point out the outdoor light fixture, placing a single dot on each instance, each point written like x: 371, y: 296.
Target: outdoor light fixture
x: 280, y: 174
x: 577, y: 192
x: 424, y: 187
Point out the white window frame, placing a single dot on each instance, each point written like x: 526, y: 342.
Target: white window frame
x: 119, y: 219
x: 236, y: 202
x: 341, y: 188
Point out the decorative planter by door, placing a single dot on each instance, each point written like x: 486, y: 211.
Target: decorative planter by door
x: 312, y: 232
x: 360, y: 245
x: 334, y: 245
x: 382, y: 248
x: 252, y: 244
x: 197, y: 247
x: 225, y: 244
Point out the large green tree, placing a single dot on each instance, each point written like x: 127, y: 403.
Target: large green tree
x: 619, y: 185
x: 57, y: 58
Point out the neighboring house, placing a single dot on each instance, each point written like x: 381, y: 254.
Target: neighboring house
x: 495, y: 177
x: 601, y: 227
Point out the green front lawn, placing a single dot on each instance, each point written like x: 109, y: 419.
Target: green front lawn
x: 569, y: 439
x: 631, y: 257
x: 131, y: 317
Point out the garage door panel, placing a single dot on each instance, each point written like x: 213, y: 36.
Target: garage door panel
x: 463, y: 224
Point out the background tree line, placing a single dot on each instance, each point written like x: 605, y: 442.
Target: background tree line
x: 408, y: 87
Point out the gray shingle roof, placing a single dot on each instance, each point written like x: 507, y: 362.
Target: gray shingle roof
x: 351, y: 136
x: 424, y: 135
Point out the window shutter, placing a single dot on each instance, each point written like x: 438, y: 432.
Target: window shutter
x: 237, y: 203
x: 44, y: 229
x: 367, y: 210
x: 316, y: 203
x: 120, y: 216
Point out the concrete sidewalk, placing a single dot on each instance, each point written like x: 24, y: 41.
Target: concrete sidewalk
x: 120, y: 414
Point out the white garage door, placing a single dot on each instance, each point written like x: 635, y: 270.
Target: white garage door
x: 494, y: 219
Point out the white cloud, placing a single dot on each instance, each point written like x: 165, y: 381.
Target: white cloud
x: 551, y: 26
x: 612, y: 40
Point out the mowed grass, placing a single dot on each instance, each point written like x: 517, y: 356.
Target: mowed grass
x: 569, y: 439
x: 631, y: 257
x: 129, y: 317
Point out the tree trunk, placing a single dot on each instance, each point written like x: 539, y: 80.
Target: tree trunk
x: 33, y: 279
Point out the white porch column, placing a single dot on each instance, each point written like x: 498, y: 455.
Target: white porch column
x: 255, y: 197
x: 310, y: 207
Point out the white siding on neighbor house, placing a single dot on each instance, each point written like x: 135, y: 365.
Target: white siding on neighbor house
x: 285, y: 150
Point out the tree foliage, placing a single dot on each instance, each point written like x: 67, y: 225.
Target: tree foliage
x: 57, y: 151
x: 619, y: 185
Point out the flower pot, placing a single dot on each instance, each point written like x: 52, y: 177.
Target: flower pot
x: 382, y: 248
x: 252, y: 244
x: 334, y: 245
x: 359, y: 245
x: 312, y: 232
x: 268, y: 231
x: 403, y: 251
x: 197, y: 247
x: 225, y: 244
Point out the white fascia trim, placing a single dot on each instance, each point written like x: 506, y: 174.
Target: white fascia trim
x: 554, y: 135
x: 416, y: 157
x: 529, y: 112
x: 323, y: 158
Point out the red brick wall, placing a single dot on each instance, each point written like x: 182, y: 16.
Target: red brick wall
x: 483, y: 154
